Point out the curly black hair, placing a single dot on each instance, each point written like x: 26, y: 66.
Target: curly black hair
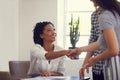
x: 38, y: 29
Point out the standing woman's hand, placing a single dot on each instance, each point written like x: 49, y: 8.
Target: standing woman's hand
x: 91, y: 62
x: 73, y: 53
x: 82, y: 70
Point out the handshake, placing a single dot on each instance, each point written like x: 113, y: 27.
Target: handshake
x: 73, y: 53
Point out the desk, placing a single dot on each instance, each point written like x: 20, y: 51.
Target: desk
x: 56, y: 78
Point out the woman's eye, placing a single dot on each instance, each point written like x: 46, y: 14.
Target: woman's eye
x: 49, y: 30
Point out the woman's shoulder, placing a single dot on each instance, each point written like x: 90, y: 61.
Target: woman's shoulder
x: 36, y: 47
x: 107, y: 13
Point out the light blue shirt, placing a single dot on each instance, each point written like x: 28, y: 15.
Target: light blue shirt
x: 108, y: 20
x: 112, y: 65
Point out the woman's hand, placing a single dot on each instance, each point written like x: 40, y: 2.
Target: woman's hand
x: 73, y: 53
x: 45, y: 73
x: 82, y: 71
x: 89, y: 63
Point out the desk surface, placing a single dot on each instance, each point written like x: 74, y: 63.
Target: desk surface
x: 56, y: 78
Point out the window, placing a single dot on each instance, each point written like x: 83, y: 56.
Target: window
x: 83, y: 10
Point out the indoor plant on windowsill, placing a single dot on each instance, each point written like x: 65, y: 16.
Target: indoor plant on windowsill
x: 74, y: 32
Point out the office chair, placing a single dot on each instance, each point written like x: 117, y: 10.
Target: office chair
x: 18, y: 69
x: 4, y: 75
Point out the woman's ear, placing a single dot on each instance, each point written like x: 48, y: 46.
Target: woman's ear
x: 41, y: 36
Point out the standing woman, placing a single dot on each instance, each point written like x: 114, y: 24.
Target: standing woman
x: 47, y: 59
x: 109, y: 40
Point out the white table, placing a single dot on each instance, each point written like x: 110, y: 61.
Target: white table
x: 56, y: 78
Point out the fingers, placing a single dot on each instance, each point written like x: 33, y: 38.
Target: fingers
x: 72, y: 54
x: 81, y: 73
x: 45, y: 73
x: 87, y: 70
x: 69, y: 52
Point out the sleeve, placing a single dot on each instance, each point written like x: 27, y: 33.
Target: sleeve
x: 38, y: 52
x: 32, y: 68
x: 61, y: 66
x: 106, y: 20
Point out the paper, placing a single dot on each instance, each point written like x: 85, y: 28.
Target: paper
x: 50, y: 78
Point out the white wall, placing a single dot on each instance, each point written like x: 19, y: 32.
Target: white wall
x: 17, y: 18
x: 31, y: 12
x: 8, y: 32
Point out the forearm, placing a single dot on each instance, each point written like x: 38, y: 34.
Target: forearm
x: 106, y: 54
x: 56, y: 54
x: 56, y: 74
x: 90, y: 48
x: 88, y: 55
x: 47, y: 73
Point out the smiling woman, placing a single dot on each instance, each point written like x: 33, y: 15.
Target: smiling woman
x: 47, y: 59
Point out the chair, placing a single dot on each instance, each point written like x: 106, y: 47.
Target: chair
x: 4, y: 75
x: 19, y: 69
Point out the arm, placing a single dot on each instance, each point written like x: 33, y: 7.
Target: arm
x: 107, y: 23
x: 82, y: 70
x: 112, y: 45
x: 56, y: 74
x: 89, y: 48
x: 47, y: 73
x: 88, y: 55
x: 56, y: 54
x: 77, y: 51
x: 40, y: 53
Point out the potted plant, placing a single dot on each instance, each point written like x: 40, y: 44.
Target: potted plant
x: 74, y: 31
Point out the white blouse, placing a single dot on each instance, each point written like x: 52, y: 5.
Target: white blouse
x: 40, y: 63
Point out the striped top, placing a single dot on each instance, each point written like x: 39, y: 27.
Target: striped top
x: 112, y: 65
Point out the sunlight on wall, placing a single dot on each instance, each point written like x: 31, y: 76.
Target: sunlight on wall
x: 79, y: 5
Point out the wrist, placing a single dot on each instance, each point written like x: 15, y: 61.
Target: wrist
x: 76, y: 50
x: 66, y: 52
x: 96, y: 58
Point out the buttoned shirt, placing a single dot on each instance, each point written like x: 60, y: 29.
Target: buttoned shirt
x: 40, y: 63
x: 95, y: 32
